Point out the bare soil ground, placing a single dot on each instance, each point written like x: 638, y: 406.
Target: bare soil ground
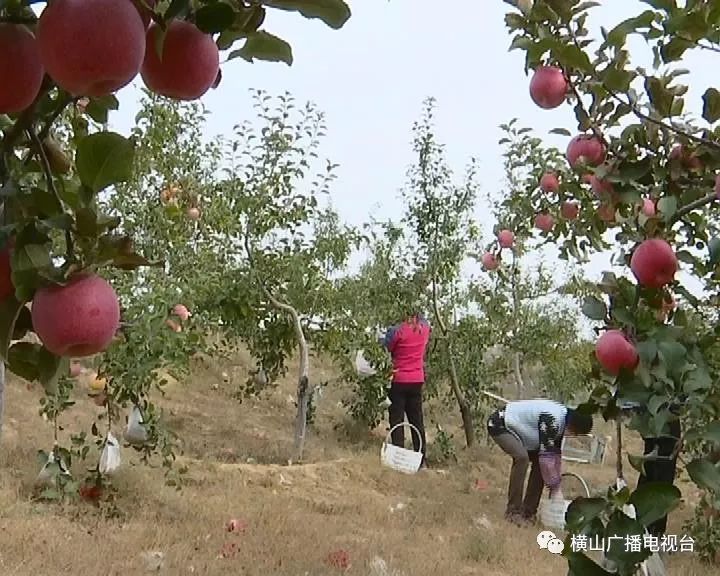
x: 440, y: 521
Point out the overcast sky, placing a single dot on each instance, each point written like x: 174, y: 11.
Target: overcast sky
x: 371, y: 77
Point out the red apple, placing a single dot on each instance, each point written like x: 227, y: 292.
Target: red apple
x: 648, y: 207
x: 91, y: 48
x: 549, y: 183
x: 193, y: 213
x: 21, y: 71
x: 190, y: 61
x: 181, y: 311
x: 570, y: 210
x: 544, y: 222
x: 548, y: 87
x: 339, y: 559
x: 489, y: 261
x: 687, y: 158
x: 506, y: 238
x: 654, y: 263
x: 614, y: 352
x: 586, y: 149
x: 601, y: 187
x: 78, y: 319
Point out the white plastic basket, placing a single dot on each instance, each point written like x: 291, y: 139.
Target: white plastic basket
x: 552, y: 512
x: 399, y: 458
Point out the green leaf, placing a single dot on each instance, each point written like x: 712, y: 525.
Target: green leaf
x: 561, y: 131
x: 660, y: 97
x: 103, y: 159
x: 714, y: 250
x: 705, y: 474
x: 654, y: 500
x: 709, y: 433
x: 176, y: 8
x: 594, y: 308
x: 673, y: 354
x: 619, y: 527
x: 99, y: 108
x: 262, y: 45
x: 214, y: 18
x: 334, y: 13
x: 50, y: 369
x: 582, y: 511
x: 22, y: 360
x: 668, y: 206
x: 674, y: 50
x: 616, y: 37
x: 647, y: 350
x: 9, y: 312
x: 711, y: 105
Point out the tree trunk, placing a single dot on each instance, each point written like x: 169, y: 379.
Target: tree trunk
x: 2, y: 396
x: 518, y: 374
x: 303, y: 392
x: 465, y: 412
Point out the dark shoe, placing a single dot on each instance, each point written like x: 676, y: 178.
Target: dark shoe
x: 514, y: 518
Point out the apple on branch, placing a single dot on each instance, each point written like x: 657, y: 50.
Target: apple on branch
x: 586, y: 149
x: 78, y: 319
x: 489, y: 261
x: 569, y: 210
x: 544, y: 221
x: 506, y: 238
x: 549, y: 183
x: 548, y: 87
x: 615, y: 352
x: 654, y: 263
x: 21, y: 71
x: 91, y: 48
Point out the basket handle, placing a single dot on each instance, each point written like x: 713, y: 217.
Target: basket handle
x: 389, y: 434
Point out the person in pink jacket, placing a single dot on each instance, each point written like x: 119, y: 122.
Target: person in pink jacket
x: 407, y: 343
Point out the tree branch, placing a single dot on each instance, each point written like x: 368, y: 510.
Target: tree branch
x: 45, y: 163
x: 694, y: 205
x: 640, y: 114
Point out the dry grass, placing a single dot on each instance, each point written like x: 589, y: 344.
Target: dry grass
x: 295, y: 516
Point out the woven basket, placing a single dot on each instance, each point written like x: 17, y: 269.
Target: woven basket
x: 552, y: 512
x: 401, y: 459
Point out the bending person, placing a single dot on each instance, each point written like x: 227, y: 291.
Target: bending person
x: 531, y: 432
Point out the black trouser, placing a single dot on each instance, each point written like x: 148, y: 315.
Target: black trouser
x: 661, y: 470
x: 406, y: 399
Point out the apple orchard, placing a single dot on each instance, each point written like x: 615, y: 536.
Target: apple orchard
x: 62, y: 61
x: 638, y: 176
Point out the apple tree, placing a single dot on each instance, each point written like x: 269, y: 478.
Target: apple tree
x: 439, y: 215
x: 283, y: 241
x: 57, y: 233
x: 641, y: 172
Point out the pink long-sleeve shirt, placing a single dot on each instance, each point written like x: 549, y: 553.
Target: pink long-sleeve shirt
x: 407, y: 343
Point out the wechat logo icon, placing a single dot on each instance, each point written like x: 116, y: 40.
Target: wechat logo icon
x: 548, y: 541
